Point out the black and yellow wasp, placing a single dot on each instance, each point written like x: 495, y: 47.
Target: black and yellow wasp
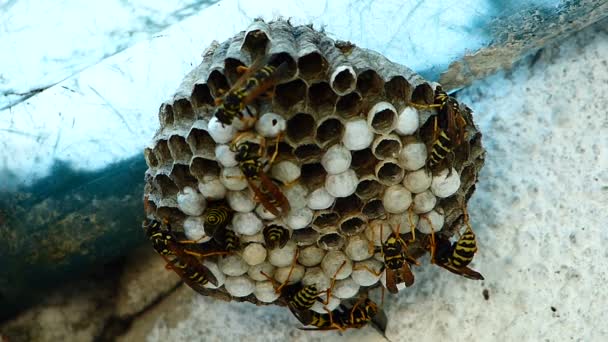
x: 186, y: 254
x: 254, y: 82
x: 455, y: 257
x: 358, y: 315
x: 397, y: 262
x: 217, y: 216
x: 448, y: 128
x: 275, y: 236
x: 249, y: 156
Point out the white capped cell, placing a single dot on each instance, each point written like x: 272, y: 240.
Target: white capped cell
x: 424, y: 202
x: 297, y: 195
x: 281, y: 274
x: 225, y: 156
x: 336, y: 160
x: 255, y: 272
x: 191, y: 202
x: 359, y: 248
x: 332, y: 263
x: 311, y: 256
x: 343, y: 184
x: 396, y: 199
x: 316, y: 276
x: 444, y: 185
x: 240, y: 286
x: 417, y: 181
x: 240, y: 201
x: 263, y: 213
x: 281, y: 257
x: 254, y: 253
x: 286, y: 171
x: 233, y: 178
x: 233, y: 265
x: 215, y: 270
x: 212, y: 188
x: 264, y: 292
x: 367, y: 272
x: 246, y: 223
x: 320, y: 199
x: 219, y: 132
x: 298, y: 219
x: 377, y: 232
x: 194, y: 229
x: 408, y: 121
x: 357, y: 135
x: 431, y: 221
x: 345, y: 288
x: 413, y: 156
x: 269, y: 125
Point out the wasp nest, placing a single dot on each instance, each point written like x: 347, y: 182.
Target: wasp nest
x: 352, y: 162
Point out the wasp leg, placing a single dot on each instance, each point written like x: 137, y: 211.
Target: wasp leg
x: 241, y: 69
x: 332, y: 284
x: 204, y: 255
x: 411, y: 221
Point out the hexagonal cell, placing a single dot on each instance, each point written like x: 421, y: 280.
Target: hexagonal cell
x: 321, y: 97
x: 305, y: 237
x: 331, y: 241
x: 183, y: 111
x: 307, y: 153
x: 162, y: 153
x: 285, y: 151
x: 353, y: 225
x: 255, y: 43
x: 386, y: 146
x: 398, y: 90
x: 312, y: 65
x: 200, y: 167
x: 423, y: 94
x: 382, y: 118
x: 369, y: 83
x: 368, y: 187
x: 165, y: 115
x: 179, y: 149
x: 349, y: 105
x: 201, y: 143
x: 287, y: 95
x: 277, y: 59
x: 150, y: 157
x: 363, y: 162
x: 230, y: 69
x: 165, y: 186
x: 374, y: 209
x: 181, y: 176
x: 201, y: 96
x: 324, y: 220
x: 300, y: 127
x: 347, y: 205
x: 218, y: 84
x: 313, y: 175
x: 389, y: 172
x: 343, y: 79
x: 329, y: 132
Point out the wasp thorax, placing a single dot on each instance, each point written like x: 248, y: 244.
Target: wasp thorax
x: 288, y: 159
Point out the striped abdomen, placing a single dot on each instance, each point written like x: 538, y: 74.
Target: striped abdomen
x: 464, y: 249
x: 393, y: 253
x: 441, y: 147
x: 275, y: 236
x: 217, y: 217
x: 191, y: 272
x: 304, y: 299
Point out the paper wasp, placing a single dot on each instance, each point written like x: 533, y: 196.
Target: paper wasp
x: 275, y: 236
x: 397, y: 262
x: 217, y: 216
x: 448, y: 127
x: 249, y: 156
x: 361, y: 313
x: 254, y: 82
x: 186, y: 253
x: 455, y: 257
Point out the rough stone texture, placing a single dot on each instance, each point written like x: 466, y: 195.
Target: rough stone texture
x: 76, y: 312
x: 520, y: 34
x: 143, y: 281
